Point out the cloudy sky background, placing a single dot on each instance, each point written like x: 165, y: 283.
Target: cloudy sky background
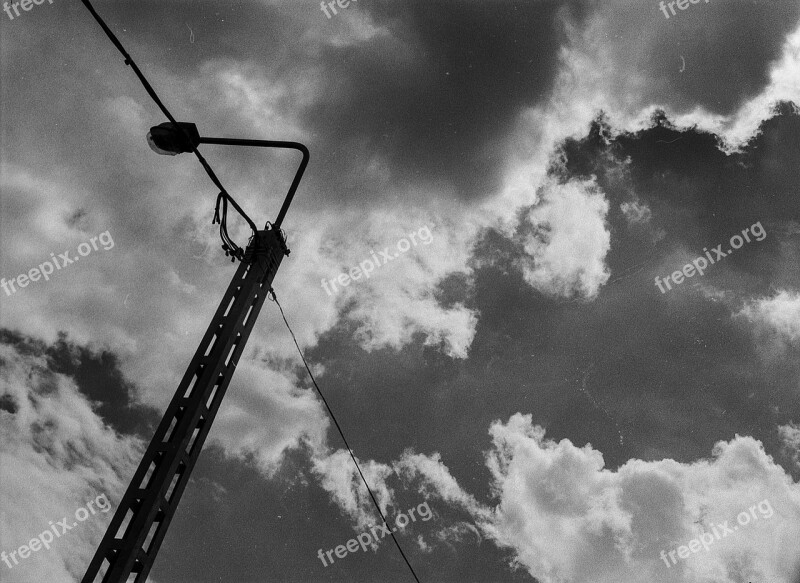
x: 522, y: 373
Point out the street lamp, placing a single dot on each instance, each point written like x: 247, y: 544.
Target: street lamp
x: 153, y: 494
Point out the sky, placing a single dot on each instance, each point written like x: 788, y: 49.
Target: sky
x: 575, y: 357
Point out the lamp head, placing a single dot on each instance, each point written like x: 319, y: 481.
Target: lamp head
x: 168, y: 140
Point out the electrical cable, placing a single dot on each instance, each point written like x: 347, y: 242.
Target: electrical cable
x: 228, y: 245
x: 236, y: 251
x: 330, y: 412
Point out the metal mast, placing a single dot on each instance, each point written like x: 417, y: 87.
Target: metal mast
x: 143, y: 516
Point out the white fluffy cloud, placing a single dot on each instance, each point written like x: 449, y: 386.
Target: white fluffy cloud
x: 267, y: 416
x: 566, y: 240
x: 397, y: 299
x: 56, y: 455
x: 784, y: 85
x: 569, y: 518
x: 776, y: 319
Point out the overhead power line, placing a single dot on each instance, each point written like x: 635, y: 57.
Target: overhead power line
x: 347, y: 445
x: 236, y: 251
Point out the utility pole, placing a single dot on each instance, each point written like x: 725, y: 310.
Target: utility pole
x: 142, y: 517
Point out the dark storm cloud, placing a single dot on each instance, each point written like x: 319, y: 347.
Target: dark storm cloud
x: 715, y: 54
x: 433, y: 99
x: 437, y: 97
x: 699, y: 366
x: 697, y: 194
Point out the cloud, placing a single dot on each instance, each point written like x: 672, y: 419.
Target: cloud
x: 784, y: 85
x: 790, y: 436
x: 267, y: 416
x: 636, y: 212
x: 566, y: 240
x: 639, y: 55
x: 568, y: 518
x: 436, y: 479
x: 340, y: 478
x: 622, y: 60
x: 399, y: 298
x: 352, y: 28
x: 776, y: 319
x: 56, y: 454
x: 395, y: 108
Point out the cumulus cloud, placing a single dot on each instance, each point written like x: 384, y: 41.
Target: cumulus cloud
x: 566, y: 240
x: 56, y: 455
x: 398, y: 298
x: 267, y: 416
x: 568, y: 518
x: 775, y: 319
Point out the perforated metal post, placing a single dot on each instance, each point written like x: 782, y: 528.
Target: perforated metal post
x: 142, y: 517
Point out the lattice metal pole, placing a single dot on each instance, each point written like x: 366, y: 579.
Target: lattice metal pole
x: 142, y: 517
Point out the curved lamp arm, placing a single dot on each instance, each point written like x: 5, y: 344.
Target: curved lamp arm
x: 271, y: 144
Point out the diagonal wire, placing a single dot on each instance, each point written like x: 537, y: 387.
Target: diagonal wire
x: 151, y: 92
x: 328, y: 407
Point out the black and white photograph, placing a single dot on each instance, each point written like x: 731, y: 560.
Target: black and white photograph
x: 400, y: 291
